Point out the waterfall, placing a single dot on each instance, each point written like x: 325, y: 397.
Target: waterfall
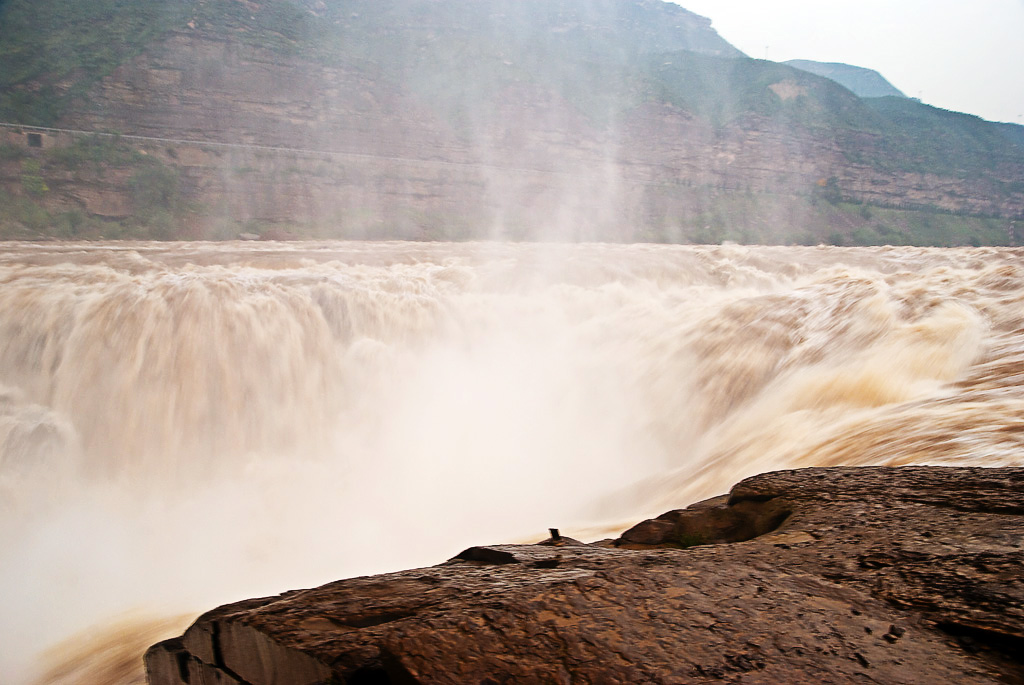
x: 183, y: 425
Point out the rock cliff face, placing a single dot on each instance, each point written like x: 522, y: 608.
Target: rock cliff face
x: 199, y: 86
x: 624, y: 120
x: 910, y: 575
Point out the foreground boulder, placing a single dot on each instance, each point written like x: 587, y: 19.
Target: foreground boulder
x: 831, y: 575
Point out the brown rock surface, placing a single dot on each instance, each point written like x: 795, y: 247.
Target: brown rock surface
x: 909, y: 575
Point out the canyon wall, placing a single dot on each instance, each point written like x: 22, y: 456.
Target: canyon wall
x: 634, y: 123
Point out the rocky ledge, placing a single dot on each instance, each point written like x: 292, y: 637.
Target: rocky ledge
x: 885, y: 575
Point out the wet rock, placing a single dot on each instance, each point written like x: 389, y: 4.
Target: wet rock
x: 816, y: 575
x: 712, y: 521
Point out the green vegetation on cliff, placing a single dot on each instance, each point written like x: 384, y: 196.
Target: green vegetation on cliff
x: 155, y: 202
x: 931, y: 140
x: 53, y: 51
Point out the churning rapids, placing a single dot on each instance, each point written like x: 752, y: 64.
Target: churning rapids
x: 183, y: 425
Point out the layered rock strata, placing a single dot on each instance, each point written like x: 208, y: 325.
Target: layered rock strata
x: 196, y: 85
x: 886, y: 575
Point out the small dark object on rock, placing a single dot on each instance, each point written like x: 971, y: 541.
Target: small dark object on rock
x: 895, y: 633
x: 487, y: 555
x: 559, y: 540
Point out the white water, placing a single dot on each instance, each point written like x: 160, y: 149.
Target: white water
x: 185, y: 425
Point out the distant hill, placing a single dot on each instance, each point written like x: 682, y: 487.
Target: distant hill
x: 425, y: 119
x: 865, y: 83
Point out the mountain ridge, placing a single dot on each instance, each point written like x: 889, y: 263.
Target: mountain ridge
x: 862, y: 82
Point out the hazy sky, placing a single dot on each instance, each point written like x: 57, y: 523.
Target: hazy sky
x: 964, y: 55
